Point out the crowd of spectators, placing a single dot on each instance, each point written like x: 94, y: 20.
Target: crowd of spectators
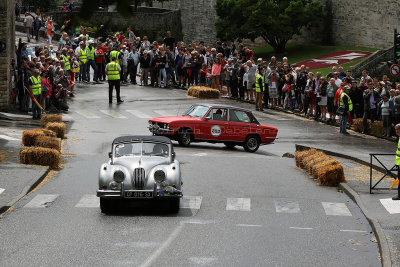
x: 231, y: 70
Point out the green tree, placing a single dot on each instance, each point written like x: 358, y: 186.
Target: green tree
x: 276, y: 21
x: 42, y: 4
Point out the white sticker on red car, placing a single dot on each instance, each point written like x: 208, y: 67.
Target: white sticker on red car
x: 215, y: 130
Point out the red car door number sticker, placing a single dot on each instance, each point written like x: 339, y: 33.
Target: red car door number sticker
x: 215, y: 130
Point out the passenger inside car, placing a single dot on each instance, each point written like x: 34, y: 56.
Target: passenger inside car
x: 219, y: 115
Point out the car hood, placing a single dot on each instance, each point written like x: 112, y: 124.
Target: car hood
x: 145, y: 162
x: 170, y: 119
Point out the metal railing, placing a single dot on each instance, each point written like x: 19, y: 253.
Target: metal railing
x: 386, y: 170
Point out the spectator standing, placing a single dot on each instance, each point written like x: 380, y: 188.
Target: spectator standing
x: 169, y: 41
x: 37, y: 24
x: 100, y: 60
x: 35, y: 87
x: 331, y: 92
x: 81, y: 53
x: 145, y: 62
x: 332, y: 73
x: 259, y: 89
x: 371, y: 98
x: 160, y: 65
x: 179, y: 67
x: 131, y: 36
x: 251, y: 76
x: 322, y: 92
x: 346, y: 105
x: 170, y: 65
x: 273, y: 84
x: 113, y: 74
x: 91, y: 53
x: 216, y: 73
x: 49, y: 29
x: 397, y: 106
x: 356, y: 96
x: 387, y: 110
x: 28, y: 25
x: 124, y: 61
x: 133, y: 62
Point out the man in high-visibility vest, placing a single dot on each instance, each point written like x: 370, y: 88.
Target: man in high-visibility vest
x: 35, y: 87
x: 82, y: 57
x: 397, y: 128
x: 91, y: 61
x: 260, y: 88
x: 112, y: 70
x: 67, y: 65
x: 346, y: 106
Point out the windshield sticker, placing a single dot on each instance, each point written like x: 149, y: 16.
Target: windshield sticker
x: 215, y: 130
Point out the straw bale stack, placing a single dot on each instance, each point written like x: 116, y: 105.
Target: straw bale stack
x: 203, y: 92
x: 46, y: 118
x: 58, y: 127
x: 29, y: 136
x: 47, y: 142
x: 40, y: 156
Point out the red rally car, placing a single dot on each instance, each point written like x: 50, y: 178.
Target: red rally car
x: 215, y: 123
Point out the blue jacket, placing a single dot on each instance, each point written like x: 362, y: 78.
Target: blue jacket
x: 391, y: 106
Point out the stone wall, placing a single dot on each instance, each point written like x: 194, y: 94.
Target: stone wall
x: 7, y: 36
x: 198, y: 19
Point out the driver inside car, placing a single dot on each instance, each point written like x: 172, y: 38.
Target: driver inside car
x: 160, y: 150
x: 218, y: 116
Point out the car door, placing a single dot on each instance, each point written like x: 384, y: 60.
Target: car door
x: 214, y: 124
x: 238, y: 126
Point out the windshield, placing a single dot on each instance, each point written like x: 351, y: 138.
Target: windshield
x: 141, y: 149
x: 196, y: 111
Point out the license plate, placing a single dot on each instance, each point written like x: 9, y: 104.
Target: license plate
x: 139, y: 194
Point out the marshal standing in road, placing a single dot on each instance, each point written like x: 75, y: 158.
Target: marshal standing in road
x: 112, y: 70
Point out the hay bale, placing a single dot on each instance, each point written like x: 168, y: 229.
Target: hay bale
x: 47, y: 142
x: 377, y: 128
x: 358, y: 125
x: 46, y: 118
x: 203, y: 92
x: 58, y: 127
x: 311, y: 156
x: 29, y: 136
x: 40, y: 156
x: 49, y: 133
x: 315, y: 161
x: 299, y: 156
x: 331, y: 175
x: 322, y: 164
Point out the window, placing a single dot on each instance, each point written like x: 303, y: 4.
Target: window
x: 218, y: 114
x: 238, y: 116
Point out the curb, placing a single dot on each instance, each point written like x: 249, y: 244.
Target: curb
x: 27, y: 189
x: 376, y: 227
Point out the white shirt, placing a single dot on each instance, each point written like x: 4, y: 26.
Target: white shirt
x: 125, y: 57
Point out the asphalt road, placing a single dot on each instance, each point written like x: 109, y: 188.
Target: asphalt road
x: 239, y: 209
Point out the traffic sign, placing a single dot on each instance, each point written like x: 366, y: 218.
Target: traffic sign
x: 395, y: 70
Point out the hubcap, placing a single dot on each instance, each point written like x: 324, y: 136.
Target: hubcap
x: 252, y: 143
x: 186, y: 138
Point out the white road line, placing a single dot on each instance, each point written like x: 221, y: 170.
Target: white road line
x: 8, y: 138
x: 200, y: 222
x: 165, y: 113
x: 113, y: 113
x: 354, y: 231
x: 191, y: 202
x: 336, y: 209
x: 249, y: 225
x: 242, y: 204
x: 392, y: 206
x: 300, y: 228
x: 286, y: 206
x: 87, y: 114
x: 200, y: 154
x: 2, y: 190
x: 88, y: 201
x: 137, y: 244
x: 166, y: 244
x: 41, y: 201
x: 139, y: 114
x: 202, y: 260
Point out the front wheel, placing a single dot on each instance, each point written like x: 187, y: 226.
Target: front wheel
x: 252, y: 143
x: 185, y: 137
x: 106, y: 205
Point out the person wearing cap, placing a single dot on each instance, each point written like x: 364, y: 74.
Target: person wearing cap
x: 82, y: 58
x: 346, y: 106
x: 91, y: 51
x: 387, y: 111
x: 124, y: 62
x: 113, y: 74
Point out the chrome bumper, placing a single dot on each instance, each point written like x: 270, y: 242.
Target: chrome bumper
x: 155, y: 129
x: 157, y: 193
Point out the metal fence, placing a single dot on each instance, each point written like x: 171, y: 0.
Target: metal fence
x: 387, y: 171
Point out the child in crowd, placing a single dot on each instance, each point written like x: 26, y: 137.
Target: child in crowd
x: 203, y: 74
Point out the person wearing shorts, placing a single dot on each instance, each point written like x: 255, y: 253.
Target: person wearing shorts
x: 251, y: 76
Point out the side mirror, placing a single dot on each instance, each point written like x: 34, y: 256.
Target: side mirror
x: 110, y: 155
x: 173, y: 155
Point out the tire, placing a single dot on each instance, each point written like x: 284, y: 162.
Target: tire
x: 106, y: 205
x: 185, y: 137
x: 252, y: 143
x: 230, y: 145
x: 174, y: 205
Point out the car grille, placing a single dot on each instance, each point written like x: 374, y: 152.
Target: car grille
x: 139, y: 177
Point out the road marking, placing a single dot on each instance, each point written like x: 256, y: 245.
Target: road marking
x: 200, y: 222
x: 166, y: 244
x: 41, y: 201
x: 113, y: 113
x: 202, y: 260
x: 336, y: 209
x: 300, y: 228
x: 138, y: 244
x: 139, y: 114
x: 87, y: 114
x: 392, y: 206
x: 242, y: 204
x: 354, y: 231
x: 2, y: 190
x: 88, y: 201
x: 249, y: 225
x: 165, y: 113
x: 191, y: 202
x: 200, y: 154
x: 286, y: 206
x: 8, y: 138
x: 67, y: 117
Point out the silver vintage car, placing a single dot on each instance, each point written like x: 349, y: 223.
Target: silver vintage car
x: 140, y: 167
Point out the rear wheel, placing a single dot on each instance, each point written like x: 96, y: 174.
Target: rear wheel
x: 252, y: 143
x: 106, y: 205
x: 174, y: 205
x: 230, y: 145
x: 185, y: 137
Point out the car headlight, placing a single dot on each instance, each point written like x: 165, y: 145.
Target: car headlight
x: 113, y: 185
x: 166, y: 126
x: 119, y: 176
x: 159, y: 176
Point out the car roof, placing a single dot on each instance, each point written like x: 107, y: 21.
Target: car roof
x: 151, y: 138
x: 223, y: 106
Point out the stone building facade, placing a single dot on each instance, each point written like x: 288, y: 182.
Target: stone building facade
x: 7, y: 39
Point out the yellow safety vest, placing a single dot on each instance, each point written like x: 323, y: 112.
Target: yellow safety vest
x: 90, y: 53
x: 398, y: 153
x: 82, y: 56
x: 114, y: 54
x: 36, y: 85
x: 341, y: 104
x: 112, y: 71
x: 258, y: 89
x: 67, y: 65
